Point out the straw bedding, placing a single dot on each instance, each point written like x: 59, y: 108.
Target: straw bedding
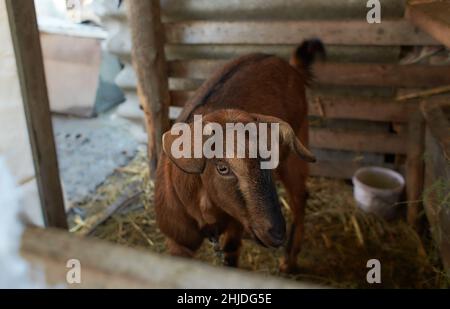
x: 339, y: 238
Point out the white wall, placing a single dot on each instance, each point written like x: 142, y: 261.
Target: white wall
x: 14, y: 142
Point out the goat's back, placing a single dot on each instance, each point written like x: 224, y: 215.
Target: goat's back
x: 255, y: 83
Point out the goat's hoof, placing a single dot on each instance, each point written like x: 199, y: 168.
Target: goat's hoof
x: 287, y: 267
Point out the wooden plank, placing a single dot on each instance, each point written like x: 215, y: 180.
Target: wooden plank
x: 338, y: 169
x: 360, y: 108
x: 274, y: 9
x: 357, y: 141
x: 350, y: 140
x: 382, y: 75
x: 415, y: 167
x: 343, y: 32
x: 423, y: 93
x: 340, y: 107
x: 353, y: 74
x: 335, y: 53
x: 106, y: 265
x: 30, y: 67
x: 186, y: 84
x: 433, y: 18
x: 151, y: 70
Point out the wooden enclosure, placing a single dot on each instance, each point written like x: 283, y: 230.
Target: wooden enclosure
x: 354, y: 97
x: 359, y: 112
x: 359, y: 107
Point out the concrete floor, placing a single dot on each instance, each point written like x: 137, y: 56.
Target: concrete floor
x: 89, y: 150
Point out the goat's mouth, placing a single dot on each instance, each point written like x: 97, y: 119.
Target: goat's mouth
x: 266, y: 240
x: 257, y: 240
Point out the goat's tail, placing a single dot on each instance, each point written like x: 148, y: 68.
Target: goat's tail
x: 306, y: 54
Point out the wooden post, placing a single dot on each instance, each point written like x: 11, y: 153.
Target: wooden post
x: 30, y: 67
x: 150, y: 65
x: 415, y: 166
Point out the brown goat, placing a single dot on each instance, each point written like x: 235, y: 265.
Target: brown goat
x: 199, y: 198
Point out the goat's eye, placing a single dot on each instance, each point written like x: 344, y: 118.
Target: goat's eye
x: 223, y: 169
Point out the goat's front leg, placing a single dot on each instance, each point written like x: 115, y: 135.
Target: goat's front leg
x: 177, y: 249
x: 230, y: 244
x: 183, y: 239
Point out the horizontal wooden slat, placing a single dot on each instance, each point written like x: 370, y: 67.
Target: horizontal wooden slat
x: 357, y: 141
x: 343, y: 32
x: 335, y: 53
x: 261, y: 10
x: 354, y: 74
x: 337, y: 169
x: 186, y: 84
x: 360, y: 108
x: 348, y: 140
x: 382, y: 75
x: 273, y: 9
x: 194, y: 68
x: 340, y: 107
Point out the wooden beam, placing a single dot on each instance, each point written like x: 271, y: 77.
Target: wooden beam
x: 357, y: 141
x: 150, y: 65
x: 382, y: 75
x: 350, y: 140
x: 433, y: 18
x: 344, y: 32
x: 30, y: 67
x: 339, y: 74
x: 341, y: 53
x: 274, y: 9
x: 359, y: 108
x: 384, y: 143
x: 105, y: 265
x: 184, y: 84
x: 338, y: 169
x: 340, y: 107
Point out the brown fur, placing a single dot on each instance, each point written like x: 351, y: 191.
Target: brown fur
x: 191, y: 207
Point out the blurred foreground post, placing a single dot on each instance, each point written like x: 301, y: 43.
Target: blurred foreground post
x: 30, y: 68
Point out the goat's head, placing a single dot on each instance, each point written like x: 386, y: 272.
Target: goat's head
x: 235, y: 183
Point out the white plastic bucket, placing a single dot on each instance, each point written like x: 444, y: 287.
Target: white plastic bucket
x: 377, y: 190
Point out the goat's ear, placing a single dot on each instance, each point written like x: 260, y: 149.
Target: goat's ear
x: 288, y: 137
x: 188, y: 164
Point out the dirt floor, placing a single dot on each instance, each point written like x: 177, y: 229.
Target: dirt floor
x: 339, y: 238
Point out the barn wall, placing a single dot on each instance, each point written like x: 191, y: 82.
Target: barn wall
x: 119, y: 42
x: 191, y: 59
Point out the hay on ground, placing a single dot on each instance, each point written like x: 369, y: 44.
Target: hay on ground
x: 339, y: 238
